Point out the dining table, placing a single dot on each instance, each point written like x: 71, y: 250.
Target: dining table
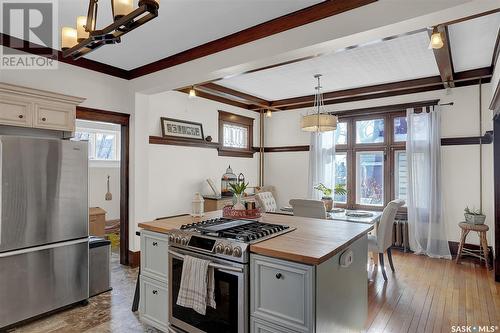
x: 347, y: 215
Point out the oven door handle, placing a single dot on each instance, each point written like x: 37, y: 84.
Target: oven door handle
x: 213, y: 265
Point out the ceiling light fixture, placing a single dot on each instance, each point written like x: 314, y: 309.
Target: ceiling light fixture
x: 269, y: 113
x: 319, y: 120
x: 192, y: 92
x: 75, y: 43
x: 436, y: 39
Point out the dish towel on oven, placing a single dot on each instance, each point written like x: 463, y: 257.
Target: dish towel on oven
x: 197, y: 285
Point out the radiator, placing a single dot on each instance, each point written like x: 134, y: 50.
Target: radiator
x: 400, y: 235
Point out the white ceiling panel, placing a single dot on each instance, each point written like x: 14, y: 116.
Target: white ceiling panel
x: 398, y: 59
x: 472, y: 42
x: 180, y: 25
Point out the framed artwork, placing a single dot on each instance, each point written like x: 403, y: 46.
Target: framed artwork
x: 181, y: 129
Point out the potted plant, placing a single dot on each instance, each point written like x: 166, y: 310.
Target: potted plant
x: 238, y: 190
x: 474, y: 216
x: 327, y: 194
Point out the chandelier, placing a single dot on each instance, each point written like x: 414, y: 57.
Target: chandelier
x: 75, y: 43
x: 318, y: 120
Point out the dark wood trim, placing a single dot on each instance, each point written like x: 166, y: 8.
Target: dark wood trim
x: 496, y: 184
x: 134, y: 258
x: 158, y: 140
x: 283, y: 23
x: 470, y: 140
x: 47, y: 52
x: 443, y: 58
x: 123, y: 120
x: 384, y: 109
x: 286, y: 149
x: 496, y: 50
x: 235, y: 118
x: 495, y: 101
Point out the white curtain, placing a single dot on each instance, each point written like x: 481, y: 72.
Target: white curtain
x: 425, y: 212
x: 321, y: 162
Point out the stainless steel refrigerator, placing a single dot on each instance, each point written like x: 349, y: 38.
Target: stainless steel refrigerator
x: 43, y: 226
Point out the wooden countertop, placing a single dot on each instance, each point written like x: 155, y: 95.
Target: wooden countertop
x: 313, y: 242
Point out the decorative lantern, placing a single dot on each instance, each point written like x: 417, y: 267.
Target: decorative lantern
x: 228, y: 178
x: 198, y: 203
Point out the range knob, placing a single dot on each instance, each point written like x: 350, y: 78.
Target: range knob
x: 237, y: 251
x: 219, y: 248
x: 228, y: 250
x: 177, y: 239
x: 171, y: 238
x: 184, y: 241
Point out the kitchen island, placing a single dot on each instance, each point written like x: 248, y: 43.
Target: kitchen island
x: 312, y: 279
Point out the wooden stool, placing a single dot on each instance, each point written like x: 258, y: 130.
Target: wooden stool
x: 481, y: 230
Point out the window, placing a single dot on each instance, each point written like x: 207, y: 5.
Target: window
x: 103, y: 138
x: 370, y: 178
x: 400, y: 128
x: 371, y: 161
x: 400, y: 175
x: 370, y: 131
x: 341, y: 175
x: 235, y: 135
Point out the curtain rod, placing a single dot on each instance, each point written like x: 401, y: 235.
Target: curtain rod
x: 443, y: 104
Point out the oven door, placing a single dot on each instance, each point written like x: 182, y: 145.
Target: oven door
x: 231, y: 297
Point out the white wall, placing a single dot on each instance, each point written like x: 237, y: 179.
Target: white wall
x: 98, y: 177
x: 168, y: 176
x: 460, y: 164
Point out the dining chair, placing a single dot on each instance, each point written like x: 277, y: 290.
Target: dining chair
x: 266, y: 201
x: 268, y: 188
x: 308, y: 208
x: 381, y: 242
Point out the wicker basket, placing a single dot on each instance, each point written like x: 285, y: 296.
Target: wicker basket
x: 228, y: 211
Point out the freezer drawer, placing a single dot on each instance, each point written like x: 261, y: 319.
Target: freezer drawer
x: 38, y: 280
x: 43, y: 191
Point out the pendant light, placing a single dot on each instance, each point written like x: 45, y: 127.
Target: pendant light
x: 436, y: 39
x: 318, y: 120
x: 269, y: 113
x: 75, y: 43
x: 192, y: 92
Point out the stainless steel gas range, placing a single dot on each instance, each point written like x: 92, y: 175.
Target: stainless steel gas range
x: 226, y: 243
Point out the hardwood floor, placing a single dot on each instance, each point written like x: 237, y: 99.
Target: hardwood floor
x: 432, y: 295
x: 424, y: 295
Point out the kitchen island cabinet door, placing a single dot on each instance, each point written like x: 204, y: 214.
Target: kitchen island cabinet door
x: 154, y: 303
x: 261, y: 326
x: 282, y: 292
x: 154, y: 255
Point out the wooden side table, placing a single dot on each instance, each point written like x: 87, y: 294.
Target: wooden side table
x: 481, y: 230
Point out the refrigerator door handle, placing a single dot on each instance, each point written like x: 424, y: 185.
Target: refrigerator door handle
x: 43, y: 247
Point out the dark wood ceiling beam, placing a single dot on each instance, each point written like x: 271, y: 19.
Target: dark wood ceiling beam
x: 283, y: 23
x: 249, y: 99
x: 443, y: 58
x: 216, y: 98
x: 387, y: 90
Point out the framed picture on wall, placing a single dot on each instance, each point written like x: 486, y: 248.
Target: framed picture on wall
x: 181, y: 129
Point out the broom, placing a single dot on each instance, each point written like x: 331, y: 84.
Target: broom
x: 108, y: 196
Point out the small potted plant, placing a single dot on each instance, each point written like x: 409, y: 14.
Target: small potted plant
x: 474, y: 216
x: 327, y: 194
x: 238, y: 190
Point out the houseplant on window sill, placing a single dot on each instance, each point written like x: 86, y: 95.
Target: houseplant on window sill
x: 474, y: 216
x: 327, y: 194
x: 238, y: 190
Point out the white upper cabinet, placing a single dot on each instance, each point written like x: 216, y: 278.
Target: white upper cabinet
x: 26, y: 107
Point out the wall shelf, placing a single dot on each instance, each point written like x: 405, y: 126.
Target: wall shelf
x: 158, y: 140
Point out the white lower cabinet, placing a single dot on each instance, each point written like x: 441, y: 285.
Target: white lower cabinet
x: 154, y: 303
x: 289, y: 297
x: 261, y: 326
x: 282, y: 292
x: 154, y: 287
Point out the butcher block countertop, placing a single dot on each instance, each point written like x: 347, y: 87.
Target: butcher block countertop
x: 313, y: 242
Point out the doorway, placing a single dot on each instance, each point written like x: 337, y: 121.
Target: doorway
x: 121, y: 122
